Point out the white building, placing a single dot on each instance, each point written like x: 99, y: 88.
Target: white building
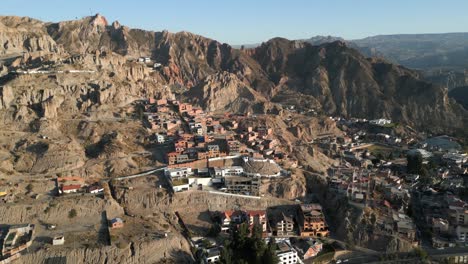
x: 380, y: 122
x: 228, y: 171
x: 286, y: 253
x: 175, y: 173
x: 160, y: 138
x: 58, y: 240
x: 462, y: 233
x: 213, y: 255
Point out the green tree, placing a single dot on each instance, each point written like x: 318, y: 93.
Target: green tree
x: 29, y: 188
x: 421, y: 253
x: 226, y: 254
x: 269, y: 256
x: 72, y: 213
x: 247, y: 247
x: 214, y: 231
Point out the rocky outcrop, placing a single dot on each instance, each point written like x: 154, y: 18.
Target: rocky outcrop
x: 21, y: 34
x: 6, y: 97
x: 224, y: 92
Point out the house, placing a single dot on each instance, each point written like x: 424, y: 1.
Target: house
x: 213, y: 151
x: 213, y: 255
x: 234, y: 147
x: 172, y: 158
x: 58, y: 240
x: 308, y: 248
x: 72, y: 188
x: 175, y: 173
x: 116, y: 223
x: 182, y: 158
x: 461, y: 233
x: 95, y: 188
x: 184, y: 108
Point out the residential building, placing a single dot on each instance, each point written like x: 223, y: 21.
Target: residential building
x: 72, y: 188
x: 242, y: 185
x: 227, y: 171
x: 286, y: 253
x: 283, y: 225
x: 175, y: 173
x: 213, y: 255
x: 182, y: 158
x: 312, y: 221
x: 258, y: 218
x: 461, y: 233
x: 234, y: 147
x: 95, y: 188
x: 213, y: 151
x: 307, y: 248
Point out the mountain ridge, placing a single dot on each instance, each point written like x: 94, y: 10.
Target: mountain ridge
x: 333, y: 76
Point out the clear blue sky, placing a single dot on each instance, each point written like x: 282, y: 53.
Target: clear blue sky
x: 253, y: 21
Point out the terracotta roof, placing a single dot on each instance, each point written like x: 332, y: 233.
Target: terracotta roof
x: 256, y: 212
x: 71, y: 187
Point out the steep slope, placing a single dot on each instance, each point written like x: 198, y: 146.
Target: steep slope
x: 225, y: 92
x: 460, y: 94
x: 345, y: 83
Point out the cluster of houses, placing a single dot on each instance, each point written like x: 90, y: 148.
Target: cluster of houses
x: 196, y: 135
x: 445, y: 218
x: 389, y: 188
x: 200, y: 144
x: 148, y: 61
x: 294, y: 228
x: 306, y: 220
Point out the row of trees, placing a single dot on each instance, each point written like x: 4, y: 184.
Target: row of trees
x: 243, y: 248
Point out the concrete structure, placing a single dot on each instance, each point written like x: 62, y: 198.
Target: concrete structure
x: 312, y: 221
x: 175, y: 173
x: 227, y: 171
x: 286, y: 253
x: 242, y: 185
x: 213, y: 255
x: 58, y: 240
